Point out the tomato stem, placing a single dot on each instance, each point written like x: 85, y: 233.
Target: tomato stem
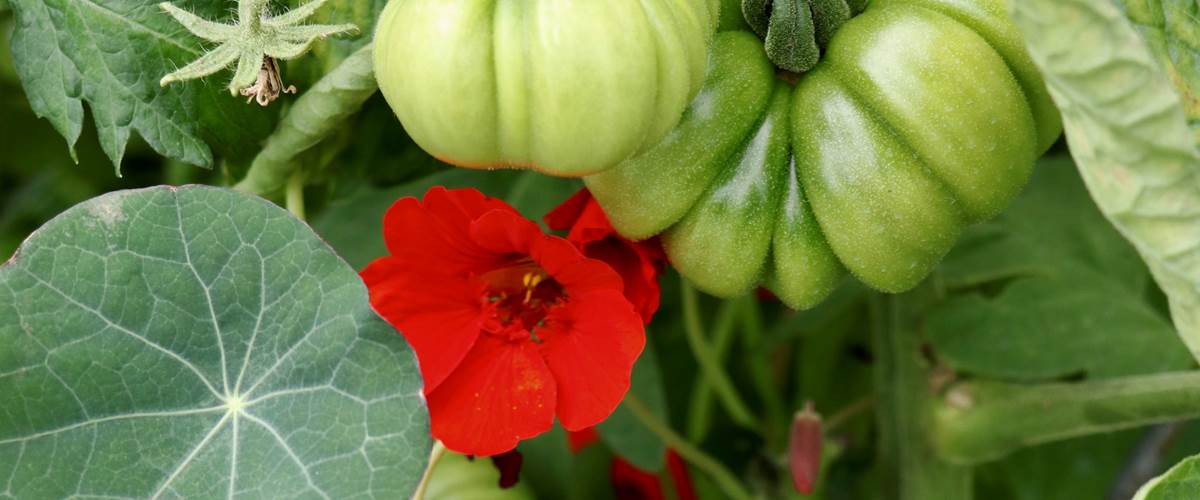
x: 911, y: 470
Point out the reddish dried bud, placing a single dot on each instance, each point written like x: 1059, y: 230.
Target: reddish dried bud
x: 804, y: 449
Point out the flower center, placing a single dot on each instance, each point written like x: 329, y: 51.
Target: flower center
x: 518, y: 297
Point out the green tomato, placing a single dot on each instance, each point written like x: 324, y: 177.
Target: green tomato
x: 566, y: 87
x: 456, y: 477
x: 922, y: 116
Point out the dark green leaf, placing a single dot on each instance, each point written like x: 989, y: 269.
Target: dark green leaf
x: 624, y: 433
x: 1078, y: 468
x: 111, y: 54
x: 198, y: 342
x: 1074, y: 300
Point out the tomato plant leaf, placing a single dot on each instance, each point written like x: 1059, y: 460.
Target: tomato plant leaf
x: 1071, y: 293
x: 198, y: 342
x: 1179, y: 483
x: 1171, y: 29
x: 111, y: 54
x: 1129, y: 135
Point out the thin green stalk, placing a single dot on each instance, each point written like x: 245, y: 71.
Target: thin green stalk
x: 979, y: 421
x: 700, y: 408
x: 757, y: 362
x: 725, y: 479
x: 295, y: 195
x: 435, y: 456
x: 710, y: 366
x: 910, y: 469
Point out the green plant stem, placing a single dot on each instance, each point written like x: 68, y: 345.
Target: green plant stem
x: 435, y: 456
x: 725, y: 479
x: 910, y: 469
x: 979, y: 421
x: 757, y: 358
x: 710, y: 366
x: 699, y: 417
x: 295, y: 195
x: 316, y: 115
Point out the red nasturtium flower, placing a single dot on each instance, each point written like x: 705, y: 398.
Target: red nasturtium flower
x: 638, y: 262
x: 511, y: 326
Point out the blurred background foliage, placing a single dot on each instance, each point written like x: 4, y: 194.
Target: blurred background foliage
x: 1048, y: 291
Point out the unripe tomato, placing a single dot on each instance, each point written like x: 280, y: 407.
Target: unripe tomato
x: 567, y: 87
x: 456, y: 477
x: 922, y: 116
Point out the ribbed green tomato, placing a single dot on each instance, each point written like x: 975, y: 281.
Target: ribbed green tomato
x: 567, y: 87
x: 922, y: 116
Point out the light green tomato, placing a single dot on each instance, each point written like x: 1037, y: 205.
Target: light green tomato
x: 921, y: 117
x: 455, y: 477
x: 567, y: 87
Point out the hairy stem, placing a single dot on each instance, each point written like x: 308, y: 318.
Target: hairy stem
x: 710, y: 365
x: 978, y: 421
x: 725, y: 479
x: 911, y: 470
x: 316, y: 115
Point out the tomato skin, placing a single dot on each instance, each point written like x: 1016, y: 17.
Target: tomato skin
x: 565, y: 87
x: 922, y: 116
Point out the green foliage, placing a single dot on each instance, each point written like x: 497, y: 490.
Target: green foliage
x: 197, y: 342
x: 1128, y: 133
x: 1179, y: 483
x: 1051, y: 268
x: 624, y: 433
x: 110, y: 54
x: 1170, y: 28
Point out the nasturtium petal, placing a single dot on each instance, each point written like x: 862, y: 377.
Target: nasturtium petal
x: 198, y: 342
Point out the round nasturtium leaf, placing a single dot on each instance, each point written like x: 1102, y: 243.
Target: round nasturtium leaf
x: 196, y: 342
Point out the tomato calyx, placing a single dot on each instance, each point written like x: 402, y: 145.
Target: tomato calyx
x: 795, y: 32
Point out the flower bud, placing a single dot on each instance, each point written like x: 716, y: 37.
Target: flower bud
x: 804, y: 449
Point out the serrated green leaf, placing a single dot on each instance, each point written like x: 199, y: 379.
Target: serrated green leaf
x: 624, y: 433
x: 1129, y: 135
x: 111, y: 54
x: 198, y: 342
x: 1074, y: 296
x: 1180, y: 483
